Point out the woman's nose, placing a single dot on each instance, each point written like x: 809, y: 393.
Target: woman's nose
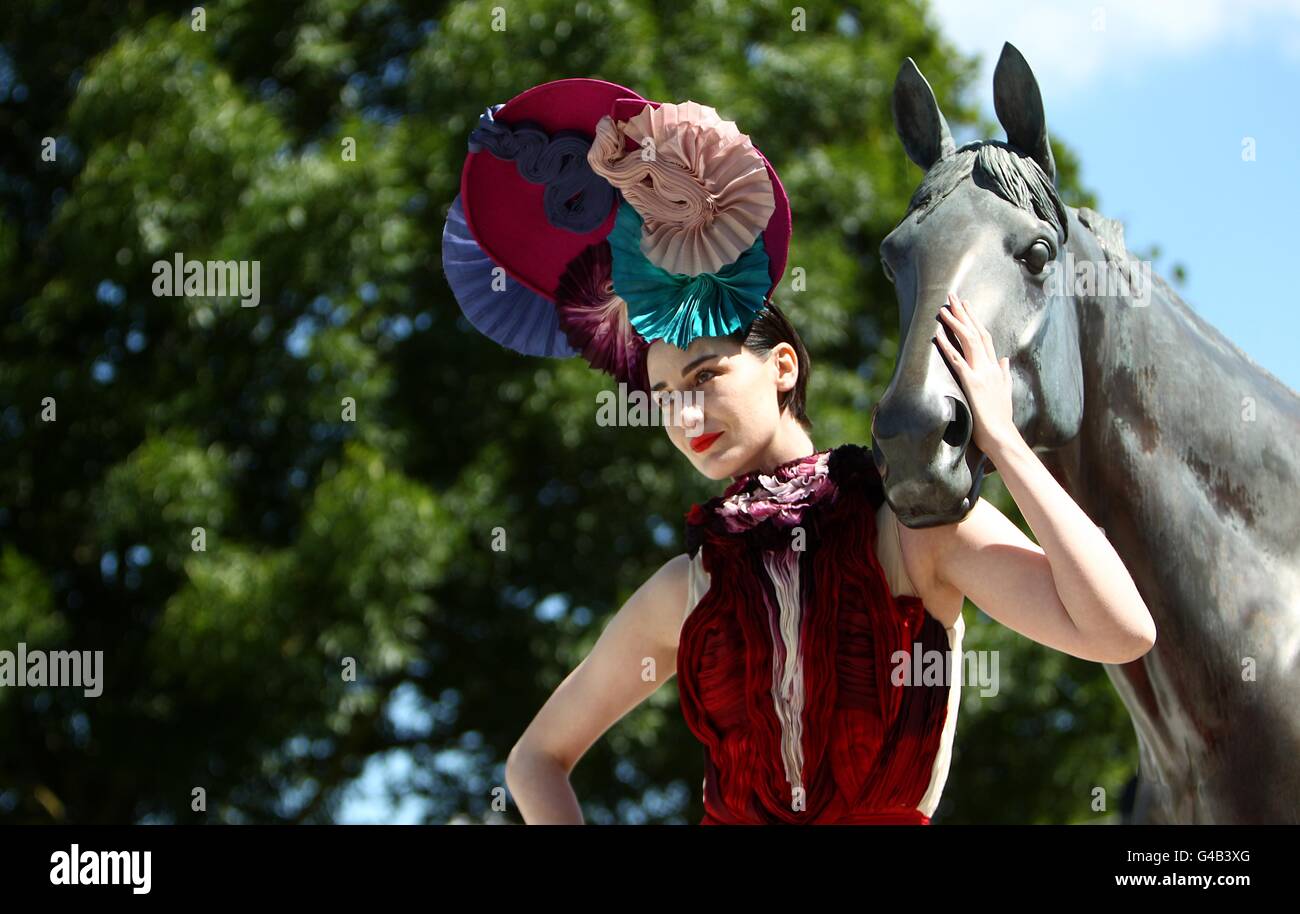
x: 692, y: 415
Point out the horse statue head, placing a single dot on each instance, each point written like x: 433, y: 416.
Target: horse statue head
x: 986, y: 223
x: 1183, y: 451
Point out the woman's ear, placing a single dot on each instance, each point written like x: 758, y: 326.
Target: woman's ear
x: 786, y: 364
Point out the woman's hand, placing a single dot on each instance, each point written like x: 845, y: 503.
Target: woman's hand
x: 985, y: 379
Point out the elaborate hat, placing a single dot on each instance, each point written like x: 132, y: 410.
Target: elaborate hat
x: 592, y: 221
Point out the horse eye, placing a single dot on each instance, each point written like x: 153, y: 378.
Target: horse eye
x: 1036, y: 256
x: 884, y: 265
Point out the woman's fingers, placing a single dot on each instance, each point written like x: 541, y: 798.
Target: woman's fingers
x: 950, y: 351
x: 979, y: 337
x: 959, y: 322
x: 983, y: 332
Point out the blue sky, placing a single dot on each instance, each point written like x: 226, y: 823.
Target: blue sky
x: 1156, y: 98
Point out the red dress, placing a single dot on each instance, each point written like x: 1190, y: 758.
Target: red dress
x: 787, y: 666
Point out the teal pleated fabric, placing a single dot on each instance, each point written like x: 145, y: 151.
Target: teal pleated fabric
x: 679, y: 308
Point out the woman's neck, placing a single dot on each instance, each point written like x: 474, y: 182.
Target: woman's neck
x: 790, y: 442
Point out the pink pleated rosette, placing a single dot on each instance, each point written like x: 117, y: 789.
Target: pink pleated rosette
x: 781, y: 496
x: 700, y: 186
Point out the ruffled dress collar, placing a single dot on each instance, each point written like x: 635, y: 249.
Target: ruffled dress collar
x: 770, y: 503
x: 781, y: 495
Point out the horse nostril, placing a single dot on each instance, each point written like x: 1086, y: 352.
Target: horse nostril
x: 959, y: 428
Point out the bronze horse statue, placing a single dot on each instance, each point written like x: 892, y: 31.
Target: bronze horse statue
x: 1184, y: 451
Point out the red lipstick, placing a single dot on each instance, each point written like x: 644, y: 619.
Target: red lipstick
x: 704, y: 442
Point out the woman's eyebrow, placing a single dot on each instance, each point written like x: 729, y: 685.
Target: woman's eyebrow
x: 689, y: 365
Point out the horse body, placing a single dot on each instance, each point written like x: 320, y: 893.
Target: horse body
x: 1188, y: 457
x: 1183, y: 450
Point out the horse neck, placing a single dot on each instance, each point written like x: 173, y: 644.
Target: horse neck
x: 1167, y: 397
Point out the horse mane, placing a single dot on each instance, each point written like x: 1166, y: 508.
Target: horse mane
x: 1110, y: 237
x: 1109, y: 232
x: 1020, y: 180
x: 995, y: 166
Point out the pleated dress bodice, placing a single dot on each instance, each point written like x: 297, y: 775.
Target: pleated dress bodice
x: 821, y: 694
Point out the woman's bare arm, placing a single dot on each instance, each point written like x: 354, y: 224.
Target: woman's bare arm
x: 1073, y: 592
x: 635, y: 654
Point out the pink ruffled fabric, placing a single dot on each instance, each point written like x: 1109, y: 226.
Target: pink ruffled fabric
x: 594, y: 319
x: 700, y: 186
x: 782, y: 496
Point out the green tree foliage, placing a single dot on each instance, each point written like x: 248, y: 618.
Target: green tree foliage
x: 336, y: 540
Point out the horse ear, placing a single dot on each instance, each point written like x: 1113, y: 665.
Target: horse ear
x: 1019, y: 106
x: 917, y: 118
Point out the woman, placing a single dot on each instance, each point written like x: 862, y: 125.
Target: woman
x: 801, y: 607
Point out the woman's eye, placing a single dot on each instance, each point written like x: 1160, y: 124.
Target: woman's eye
x: 700, y: 378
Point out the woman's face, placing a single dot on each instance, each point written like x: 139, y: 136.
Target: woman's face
x: 719, y: 402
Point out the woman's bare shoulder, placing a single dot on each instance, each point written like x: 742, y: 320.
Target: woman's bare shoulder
x: 908, y: 556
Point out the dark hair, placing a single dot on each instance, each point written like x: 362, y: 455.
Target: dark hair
x: 769, y: 328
